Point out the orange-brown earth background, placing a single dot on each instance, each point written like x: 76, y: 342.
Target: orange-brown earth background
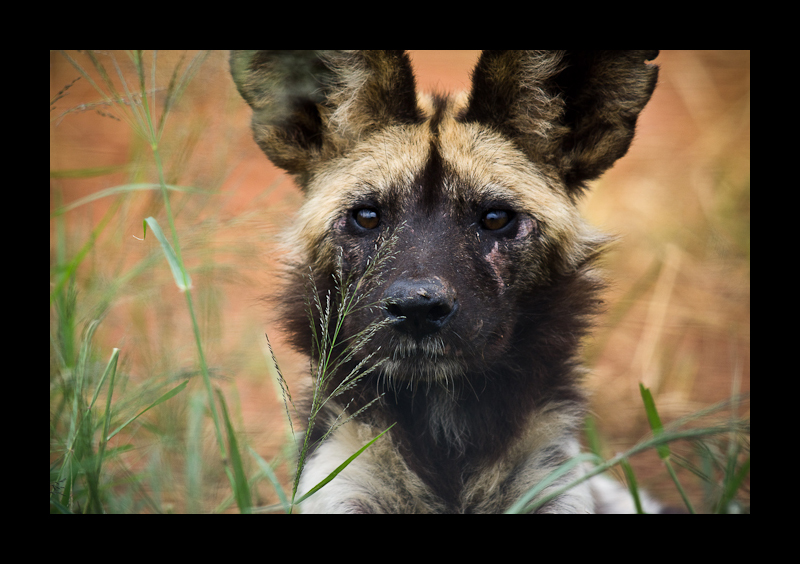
x: 678, y: 315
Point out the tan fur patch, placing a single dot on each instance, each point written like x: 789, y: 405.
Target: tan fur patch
x: 493, y: 166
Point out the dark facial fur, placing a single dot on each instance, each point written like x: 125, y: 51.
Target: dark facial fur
x: 489, y: 283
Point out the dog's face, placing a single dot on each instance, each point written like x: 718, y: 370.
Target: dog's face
x: 473, y: 226
x: 472, y: 197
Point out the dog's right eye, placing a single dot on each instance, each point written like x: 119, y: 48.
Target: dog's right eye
x: 366, y: 218
x: 494, y: 220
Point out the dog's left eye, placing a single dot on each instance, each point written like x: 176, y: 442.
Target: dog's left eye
x: 493, y: 220
x: 366, y: 218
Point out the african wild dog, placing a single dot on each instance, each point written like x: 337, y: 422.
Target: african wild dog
x: 492, y: 283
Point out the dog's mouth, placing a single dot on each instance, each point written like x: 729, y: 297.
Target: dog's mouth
x: 430, y: 359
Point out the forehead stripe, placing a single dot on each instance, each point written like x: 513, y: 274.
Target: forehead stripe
x: 431, y: 180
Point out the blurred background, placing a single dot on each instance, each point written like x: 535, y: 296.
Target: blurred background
x: 678, y: 307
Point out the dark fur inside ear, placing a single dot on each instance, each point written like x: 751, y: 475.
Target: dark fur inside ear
x: 284, y: 90
x: 309, y: 106
x: 574, y: 111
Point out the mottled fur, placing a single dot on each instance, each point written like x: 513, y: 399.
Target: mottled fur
x: 492, y: 284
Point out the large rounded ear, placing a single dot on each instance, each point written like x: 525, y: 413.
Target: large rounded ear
x: 310, y: 106
x: 571, y: 111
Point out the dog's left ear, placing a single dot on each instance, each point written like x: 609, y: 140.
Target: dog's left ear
x: 571, y: 111
x: 312, y: 106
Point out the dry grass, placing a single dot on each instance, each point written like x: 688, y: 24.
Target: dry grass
x: 678, y: 314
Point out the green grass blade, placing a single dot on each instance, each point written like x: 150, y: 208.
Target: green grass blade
x: 173, y: 392
x: 674, y: 476
x: 177, y: 85
x: 654, y: 419
x: 663, y: 450
x: 266, y: 468
x: 521, y: 505
x: 241, y: 487
x: 66, y: 271
x: 732, y: 485
x: 88, y: 172
x: 603, y: 466
x: 341, y: 467
x: 633, y: 485
x: 180, y: 275
x: 593, y: 440
x: 194, y: 453
x: 119, y: 190
x: 111, y: 369
x: 79, y: 442
x: 93, y: 474
x: 62, y: 509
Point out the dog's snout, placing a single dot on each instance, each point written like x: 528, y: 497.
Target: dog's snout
x: 420, y: 307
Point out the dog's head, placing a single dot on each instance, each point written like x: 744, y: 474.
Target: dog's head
x: 454, y: 217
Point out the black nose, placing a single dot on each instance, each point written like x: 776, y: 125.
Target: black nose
x: 420, y: 307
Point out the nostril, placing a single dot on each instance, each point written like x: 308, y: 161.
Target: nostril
x: 439, y: 311
x: 394, y: 309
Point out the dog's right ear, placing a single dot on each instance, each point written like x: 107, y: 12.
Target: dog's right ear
x: 310, y: 106
x: 573, y: 112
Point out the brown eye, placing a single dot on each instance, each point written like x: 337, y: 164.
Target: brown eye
x: 367, y: 218
x: 493, y: 220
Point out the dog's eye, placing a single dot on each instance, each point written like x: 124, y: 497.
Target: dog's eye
x: 493, y: 220
x: 366, y: 218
